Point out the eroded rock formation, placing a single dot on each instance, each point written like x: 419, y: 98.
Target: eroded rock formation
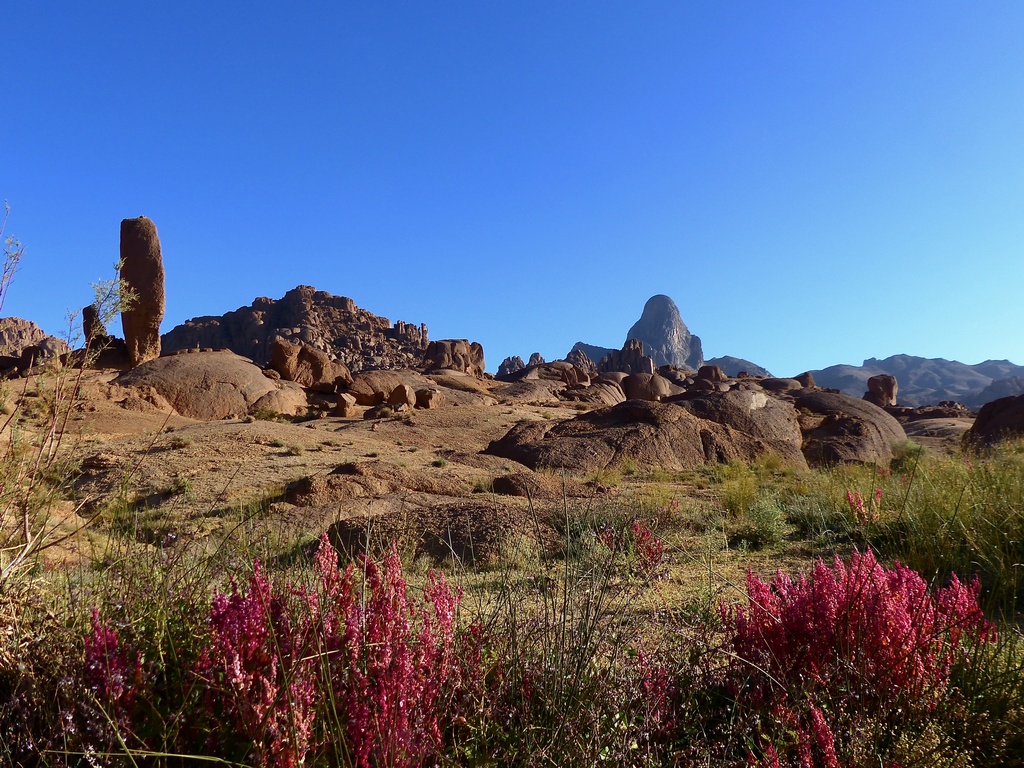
x: 142, y: 277
x: 315, y: 319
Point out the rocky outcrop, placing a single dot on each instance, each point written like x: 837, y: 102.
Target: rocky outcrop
x: 882, y: 390
x: 579, y: 359
x: 209, y: 385
x: 630, y: 359
x: 600, y: 392
x: 375, y: 387
x: 648, y: 386
x: 839, y: 429
x: 455, y: 355
x: 306, y: 316
x: 308, y: 367
x: 24, y: 345
x: 142, y: 278
x: 753, y: 413
x: 644, y: 433
x: 510, y: 365
x: 16, y: 334
x: 536, y: 359
x: 999, y: 420
x: 92, y: 325
x: 665, y: 336
x: 592, y: 351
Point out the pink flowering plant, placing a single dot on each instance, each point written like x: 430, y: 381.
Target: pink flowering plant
x: 818, y: 655
x: 259, y: 678
x: 398, y: 674
x: 865, y: 511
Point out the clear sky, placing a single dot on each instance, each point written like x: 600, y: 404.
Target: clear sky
x: 813, y: 183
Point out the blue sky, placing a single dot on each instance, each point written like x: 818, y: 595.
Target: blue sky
x: 813, y: 183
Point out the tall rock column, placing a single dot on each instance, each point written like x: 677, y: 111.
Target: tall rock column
x: 142, y: 273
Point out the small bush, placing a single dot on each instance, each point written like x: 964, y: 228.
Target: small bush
x: 267, y: 414
x: 440, y: 463
x: 764, y: 524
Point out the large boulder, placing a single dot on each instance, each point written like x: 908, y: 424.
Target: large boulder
x: 308, y: 367
x: 648, y: 386
x: 204, y: 385
x: 998, y: 420
x: 754, y: 413
x: 92, y: 324
x: 456, y: 355
x: 639, y: 432
x: 375, y: 387
x: 142, y: 275
x: 840, y: 429
x: 882, y: 390
x: 600, y: 392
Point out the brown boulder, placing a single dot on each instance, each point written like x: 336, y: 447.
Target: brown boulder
x: 402, y: 395
x: 754, y: 413
x: 578, y: 358
x: 374, y: 387
x: 806, y: 380
x: 882, y: 390
x: 711, y: 373
x: 455, y: 354
x: 142, y: 274
x: 780, y: 385
x: 648, y: 386
x: 308, y: 367
x: 203, y: 385
x: 345, y: 405
x: 649, y: 434
x: 840, y: 429
x: 92, y: 325
x: 600, y: 392
x: 998, y: 420
x: 429, y: 398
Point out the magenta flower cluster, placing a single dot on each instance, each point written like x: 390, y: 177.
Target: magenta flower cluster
x: 848, y: 639
x: 865, y: 512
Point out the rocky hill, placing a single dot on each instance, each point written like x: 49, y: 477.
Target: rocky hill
x: 925, y: 381
x: 304, y: 315
x: 734, y: 365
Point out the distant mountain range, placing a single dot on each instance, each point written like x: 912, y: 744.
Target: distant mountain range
x: 922, y: 381
x: 925, y: 381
